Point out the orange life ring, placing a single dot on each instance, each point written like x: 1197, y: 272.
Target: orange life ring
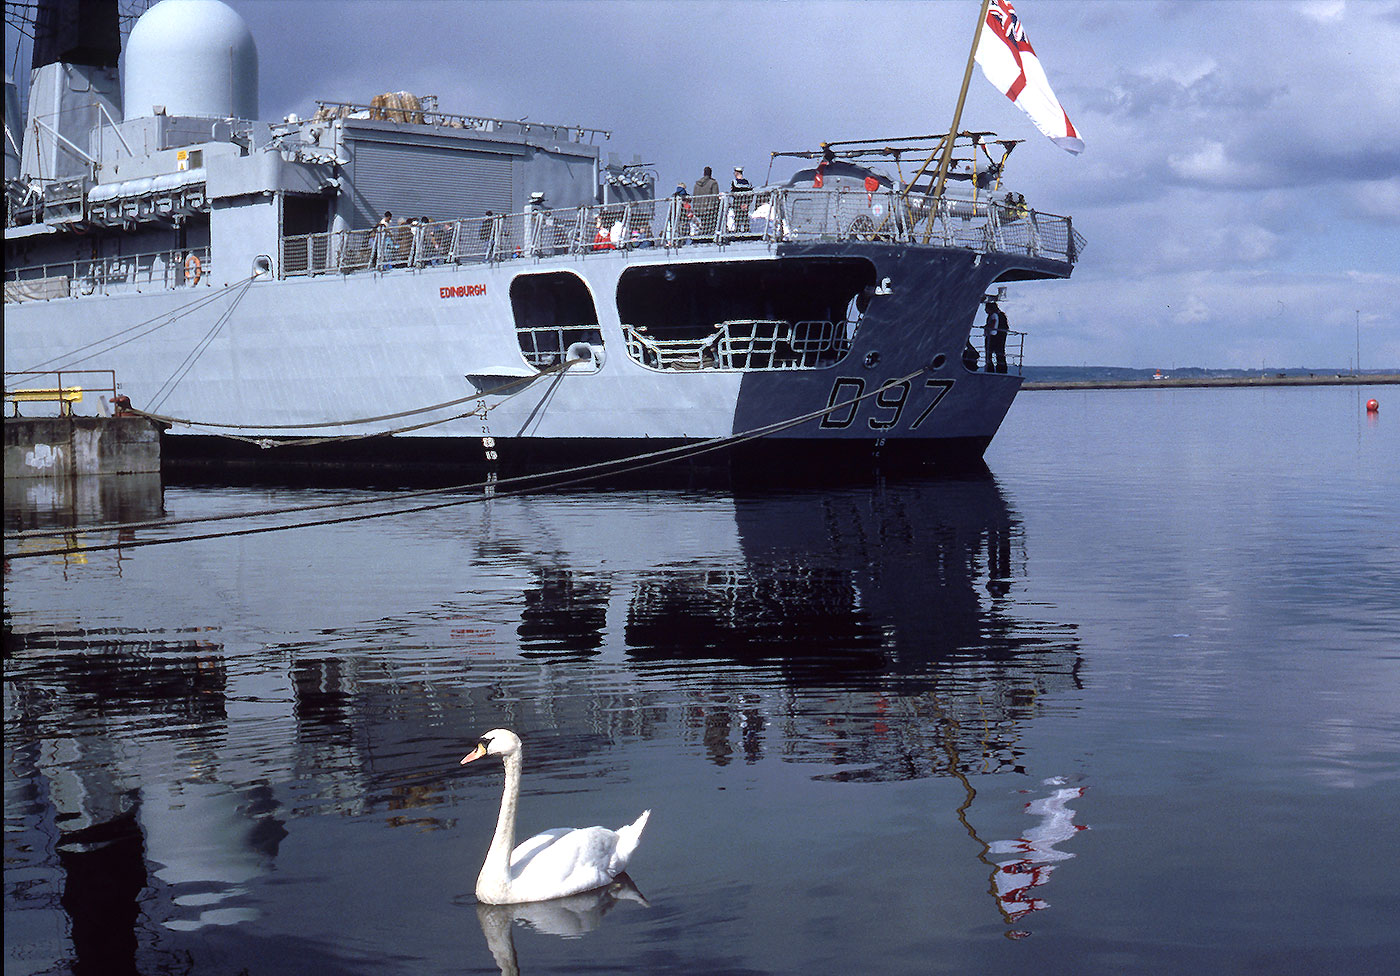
x: 193, y: 269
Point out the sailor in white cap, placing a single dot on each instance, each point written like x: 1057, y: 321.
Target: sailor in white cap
x: 742, y: 196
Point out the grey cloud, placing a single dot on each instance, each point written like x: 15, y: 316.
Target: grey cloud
x: 1139, y: 96
x: 1260, y: 161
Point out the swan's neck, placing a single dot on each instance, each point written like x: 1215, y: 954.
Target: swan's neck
x: 495, y: 872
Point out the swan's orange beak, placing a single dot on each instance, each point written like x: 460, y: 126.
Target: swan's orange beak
x: 476, y: 753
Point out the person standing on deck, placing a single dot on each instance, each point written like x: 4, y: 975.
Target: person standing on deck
x: 383, y: 239
x: 741, y: 191
x: 996, y: 329
x: 681, y: 218
x: 706, y: 204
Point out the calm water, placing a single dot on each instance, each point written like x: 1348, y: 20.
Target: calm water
x: 1130, y: 703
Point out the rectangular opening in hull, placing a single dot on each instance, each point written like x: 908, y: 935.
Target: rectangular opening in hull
x: 783, y: 314
x: 553, y: 312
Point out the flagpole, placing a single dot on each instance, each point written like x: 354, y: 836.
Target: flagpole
x: 957, y: 114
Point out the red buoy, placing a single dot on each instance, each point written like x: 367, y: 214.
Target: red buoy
x: 1373, y: 406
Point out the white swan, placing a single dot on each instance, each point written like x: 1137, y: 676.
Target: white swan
x: 561, y: 861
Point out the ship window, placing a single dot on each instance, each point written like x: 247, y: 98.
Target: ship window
x: 784, y: 314
x: 554, y: 312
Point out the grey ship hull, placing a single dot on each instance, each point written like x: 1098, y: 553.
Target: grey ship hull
x: 317, y: 351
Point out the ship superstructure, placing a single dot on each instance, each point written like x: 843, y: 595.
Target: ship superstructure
x: 388, y: 284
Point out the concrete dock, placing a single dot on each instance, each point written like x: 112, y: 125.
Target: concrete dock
x: 1172, y: 382
x: 68, y: 446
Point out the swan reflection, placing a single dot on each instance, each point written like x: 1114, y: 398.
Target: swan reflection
x: 567, y: 918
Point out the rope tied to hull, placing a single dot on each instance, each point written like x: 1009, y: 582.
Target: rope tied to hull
x: 183, y: 370
x: 131, y: 333
x: 505, y: 391
x: 267, y: 443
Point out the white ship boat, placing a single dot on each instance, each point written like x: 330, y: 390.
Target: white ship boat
x: 532, y: 305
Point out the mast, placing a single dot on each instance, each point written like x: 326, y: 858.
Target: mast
x: 962, y: 98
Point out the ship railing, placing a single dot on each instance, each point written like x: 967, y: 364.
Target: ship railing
x: 544, y: 346
x: 809, y: 214
x: 541, y: 233
x: 423, y: 110
x: 745, y: 344
x: 772, y: 216
x: 1015, y: 351
x: 985, y: 225
x: 687, y: 354
x: 110, y: 275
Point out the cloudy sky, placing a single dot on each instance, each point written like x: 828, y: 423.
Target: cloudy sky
x: 1240, y: 189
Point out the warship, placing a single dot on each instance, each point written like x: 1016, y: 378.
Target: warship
x: 387, y: 287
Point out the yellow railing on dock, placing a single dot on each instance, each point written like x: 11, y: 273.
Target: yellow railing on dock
x: 58, y: 388
x: 65, y: 397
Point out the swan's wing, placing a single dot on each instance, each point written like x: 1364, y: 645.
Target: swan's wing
x: 526, y: 850
x: 562, y: 861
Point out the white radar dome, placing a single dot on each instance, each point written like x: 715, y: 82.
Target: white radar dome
x: 191, y: 57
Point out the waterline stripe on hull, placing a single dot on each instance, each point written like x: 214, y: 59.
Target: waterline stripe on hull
x: 451, y: 460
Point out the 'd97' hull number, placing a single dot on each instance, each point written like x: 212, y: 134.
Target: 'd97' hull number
x: 885, y: 408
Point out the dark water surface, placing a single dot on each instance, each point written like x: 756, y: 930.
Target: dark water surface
x: 1129, y: 703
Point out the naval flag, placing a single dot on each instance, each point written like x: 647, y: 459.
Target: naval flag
x: 1009, y: 62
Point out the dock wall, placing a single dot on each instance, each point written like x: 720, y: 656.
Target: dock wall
x: 1174, y: 382
x: 63, y: 447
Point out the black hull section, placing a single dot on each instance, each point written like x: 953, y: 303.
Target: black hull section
x: 561, y: 462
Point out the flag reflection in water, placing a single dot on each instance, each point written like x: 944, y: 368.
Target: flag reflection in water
x: 1035, y: 852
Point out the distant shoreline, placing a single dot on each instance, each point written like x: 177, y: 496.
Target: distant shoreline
x: 1347, y: 379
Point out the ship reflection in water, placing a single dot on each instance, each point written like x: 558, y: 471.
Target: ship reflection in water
x: 175, y: 729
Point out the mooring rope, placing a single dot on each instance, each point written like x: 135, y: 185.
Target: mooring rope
x: 581, y: 474
x: 182, y: 370
x: 268, y: 444
x: 521, y: 382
